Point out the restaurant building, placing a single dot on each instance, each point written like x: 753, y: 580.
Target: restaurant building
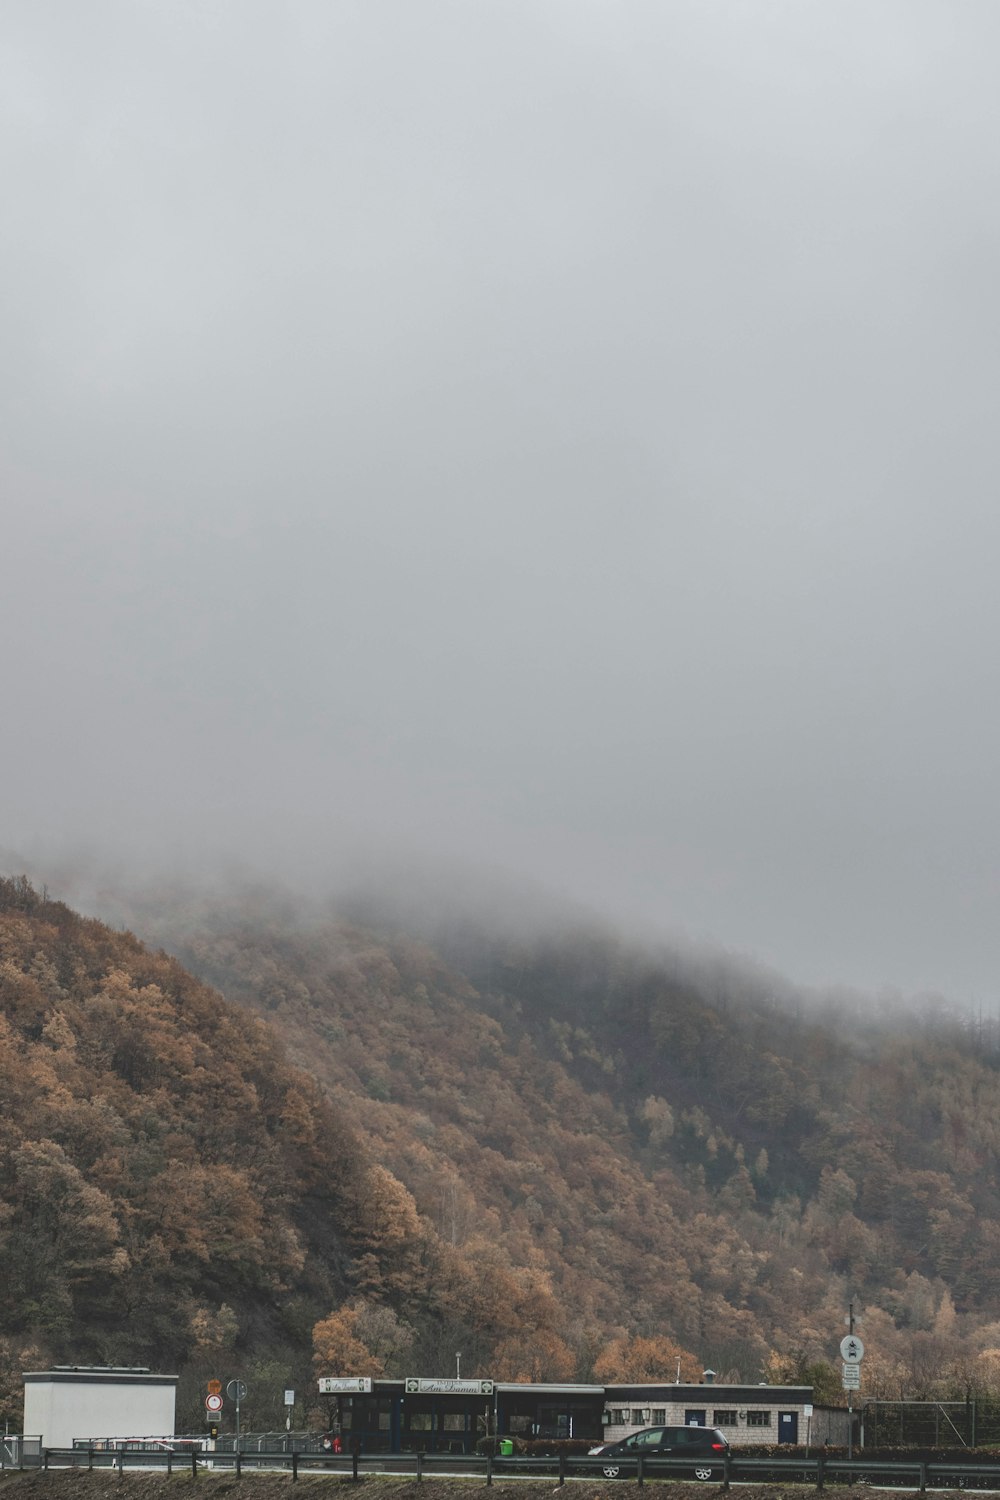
x: 452, y: 1416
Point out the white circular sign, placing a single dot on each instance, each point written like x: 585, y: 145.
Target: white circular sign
x: 852, y: 1349
x: 213, y: 1403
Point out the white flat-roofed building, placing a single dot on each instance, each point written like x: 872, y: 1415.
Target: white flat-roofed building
x: 78, y: 1402
x: 748, y: 1415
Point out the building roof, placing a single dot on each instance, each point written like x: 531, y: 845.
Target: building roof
x: 704, y: 1390
x: 99, y: 1375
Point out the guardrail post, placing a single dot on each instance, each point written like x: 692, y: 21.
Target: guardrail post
x: 820, y: 1467
x: 354, y: 1462
x: 726, y: 1465
x: 641, y: 1474
x: 923, y: 1478
x: 239, y: 1464
x: 194, y: 1463
x: 420, y: 1466
x: 121, y: 1459
x: 45, y: 1460
x: 170, y: 1461
x: 489, y: 1468
x: 295, y: 1464
x: 90, y: 1458
x: 562, y: 1468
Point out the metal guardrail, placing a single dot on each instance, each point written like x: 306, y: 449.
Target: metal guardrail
x: 919, y: 1475
x: 171, y: 1460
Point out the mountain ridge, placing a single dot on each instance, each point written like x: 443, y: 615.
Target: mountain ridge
x: 564, y: 1159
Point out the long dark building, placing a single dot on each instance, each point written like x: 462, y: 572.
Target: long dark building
x: 452, y: 1416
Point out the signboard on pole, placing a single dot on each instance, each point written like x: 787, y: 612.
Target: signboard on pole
x: 852, y: 1377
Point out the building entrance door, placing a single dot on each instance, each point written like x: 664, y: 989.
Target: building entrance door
x: 788, y: 1427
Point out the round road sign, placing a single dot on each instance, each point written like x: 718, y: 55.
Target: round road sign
x: 852, y: 1349
x: 213, y: 1403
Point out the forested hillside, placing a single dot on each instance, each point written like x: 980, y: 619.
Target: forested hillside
x: 565, y: 1158
x: 707, y: 1158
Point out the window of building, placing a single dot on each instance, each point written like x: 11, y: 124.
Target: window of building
x: 724, y: 1418
x: 618, y: 1417
x: 758, y: 1419
x: 659, y: 1415
x: 453, y: 1421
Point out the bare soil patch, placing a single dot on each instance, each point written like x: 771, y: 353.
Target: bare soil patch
x: 107, y: 1484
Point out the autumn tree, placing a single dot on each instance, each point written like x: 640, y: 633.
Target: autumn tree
x: 634, y: 1357
x: 361, y: 1338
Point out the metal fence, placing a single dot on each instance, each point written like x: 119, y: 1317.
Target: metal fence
x: 20, y: 1452
x: 930, y: 1424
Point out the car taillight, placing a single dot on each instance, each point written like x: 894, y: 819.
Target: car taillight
x: 718, y: 1447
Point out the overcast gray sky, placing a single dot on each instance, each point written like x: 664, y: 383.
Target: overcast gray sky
x: 562, y: 435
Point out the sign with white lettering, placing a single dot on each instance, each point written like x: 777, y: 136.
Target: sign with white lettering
x: 331, y: 1384
x: 852, y: 1377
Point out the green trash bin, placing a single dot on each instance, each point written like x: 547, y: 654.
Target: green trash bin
x: 506, y: 1447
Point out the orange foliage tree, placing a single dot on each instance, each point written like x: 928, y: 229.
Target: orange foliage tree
x: 637, y: 1358
x: 361, y: 1339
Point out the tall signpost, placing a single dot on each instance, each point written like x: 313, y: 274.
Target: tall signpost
x: 852, y: 1352
x: 213, y: 1407
x: 236, y: 1391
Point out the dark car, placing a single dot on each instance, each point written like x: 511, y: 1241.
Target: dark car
x: 698, y: 1443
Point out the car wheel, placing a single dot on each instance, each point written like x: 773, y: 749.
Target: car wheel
x: 611, y: 1471
x: 702, y: 1473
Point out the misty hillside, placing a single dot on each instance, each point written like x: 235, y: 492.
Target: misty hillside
x: 656, y: 1153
